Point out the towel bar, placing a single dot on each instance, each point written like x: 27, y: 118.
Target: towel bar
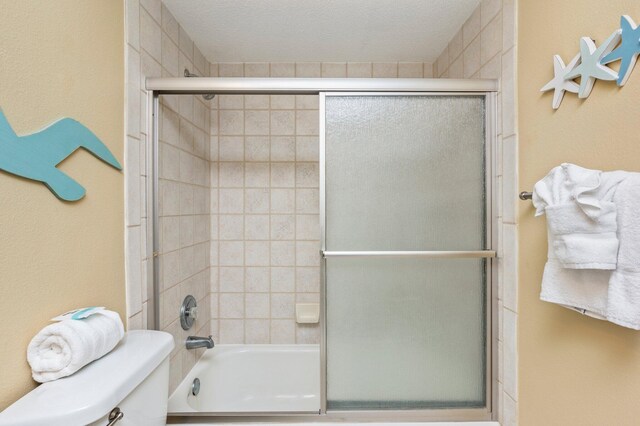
x: 524, y: 195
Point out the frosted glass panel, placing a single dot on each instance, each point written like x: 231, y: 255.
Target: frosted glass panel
x: 405, y: 172
x: 405, y: 333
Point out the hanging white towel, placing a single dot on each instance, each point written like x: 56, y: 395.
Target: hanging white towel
x: 62, y: 348
x: 581, y: 216
x: 623, y: 306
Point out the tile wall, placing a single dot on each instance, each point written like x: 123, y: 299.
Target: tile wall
x: 485, y: 47
x: 265, y: 233
x: 158, y: 46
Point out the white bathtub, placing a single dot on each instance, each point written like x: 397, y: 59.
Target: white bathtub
x: 252, y: 378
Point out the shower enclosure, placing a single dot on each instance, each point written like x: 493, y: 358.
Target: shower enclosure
x: 407, y: 246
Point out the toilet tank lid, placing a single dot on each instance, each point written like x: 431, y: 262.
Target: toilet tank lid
x: 97, y: 388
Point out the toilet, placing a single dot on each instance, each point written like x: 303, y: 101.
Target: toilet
x: 131, y: 383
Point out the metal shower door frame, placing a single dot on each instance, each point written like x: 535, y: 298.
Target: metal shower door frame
x: 336, y: 87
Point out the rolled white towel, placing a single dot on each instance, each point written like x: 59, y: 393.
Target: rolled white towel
x: 62, y: 348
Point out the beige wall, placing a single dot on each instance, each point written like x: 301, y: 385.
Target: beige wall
x: 62, y: 58
x: 573, y: 370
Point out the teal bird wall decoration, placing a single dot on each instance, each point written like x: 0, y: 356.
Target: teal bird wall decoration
x: 36, y: 156
x: 628, y: 50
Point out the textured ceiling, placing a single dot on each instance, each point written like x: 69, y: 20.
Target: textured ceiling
x: 321, y: 30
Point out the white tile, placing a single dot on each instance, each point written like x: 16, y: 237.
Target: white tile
x: 186, y: 199
x: 230, y: 101
x: 307, y: 101
x: 133, y: 23
x: 508, y: 24
x: 170, y: 265
x: 256, y: 175
x: 508, y: 94
x: 283, y: 227
x: 133, y: 119
x: 308, y: 69
x: 283, y: 148
x: 256, y: 148
x: 133, y: 270
x: 231, y: 253
x: 256, y: 101
x: 231, y: 69
x: 282, y: 305
x: 170, y: 233
x: 231, y: 227
x: 256, y: 253
x: 442, y: 64
x: 359, y: 69
x: 231, y: 331
x: 491, y: 39
x: 231, y: 279
x: 510, y: 272
x: 257, y: 200
x: 492, y: 69
x: 307, y: 279
x: 154, y: 7
x: 231, y: 148
x: 283, y: 101
x: 199, y: 61
x: 471, y: 28
x: 488, y: 10
x: 256, y: 122
x: 257, y: 331
x: 231, y: 174
x: 456, y: 69
x: 307, y: 175
x: 257, y: 305
x: 307, y: 227
x: 472, y: 58
x: 170, y: 57
x: 509, y: 179
x: 455, y: 46
x: 307, y: 123
x: 283, y: 69
x: 256, y: 227
x: 283, y: 200
x: 307, y: 148
x: 132, y: 179
x: 307, y: 253
x: 510, y: 356
x: 307, y: 201
x: 334, y: 69
x: 509, y: 411
x: 307, y: 334
x: 150, y: 36
x: 170, y: 25
x: 385, y: 69
x: 231, y: 305
x: 427, y: 70
x: 283, y: 253
x: 283, y: 123
x: 257, y: 279
x: 231, y: 122
x: 410, y: 69
x: 283, y: 331
x: 282, y: 175
x: 283, y: 279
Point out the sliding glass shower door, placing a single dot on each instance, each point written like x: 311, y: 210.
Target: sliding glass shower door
x: 405, y: 244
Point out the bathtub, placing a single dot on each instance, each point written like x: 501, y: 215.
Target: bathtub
x: 252, y: 378
x: 260, y: 379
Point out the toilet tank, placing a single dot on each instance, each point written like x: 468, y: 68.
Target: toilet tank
x: 134, y: 377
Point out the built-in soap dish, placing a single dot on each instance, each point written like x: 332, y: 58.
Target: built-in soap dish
x: 307, y: 313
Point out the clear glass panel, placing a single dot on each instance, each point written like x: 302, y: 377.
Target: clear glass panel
x: 405, y: 172
x: 405, y: 333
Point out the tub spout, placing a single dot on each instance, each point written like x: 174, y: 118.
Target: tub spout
x: 194, y: 342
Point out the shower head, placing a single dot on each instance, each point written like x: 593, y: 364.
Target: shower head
x: 188, y: 73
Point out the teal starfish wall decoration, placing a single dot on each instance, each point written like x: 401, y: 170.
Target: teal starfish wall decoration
x: 591, y: 67
x: 36, y: 156
x: 628, y: 50
x: 559, y: 84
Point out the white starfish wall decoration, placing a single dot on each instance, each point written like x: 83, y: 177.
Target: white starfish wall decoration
x: 591, y: 67
x: 559, y: 83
